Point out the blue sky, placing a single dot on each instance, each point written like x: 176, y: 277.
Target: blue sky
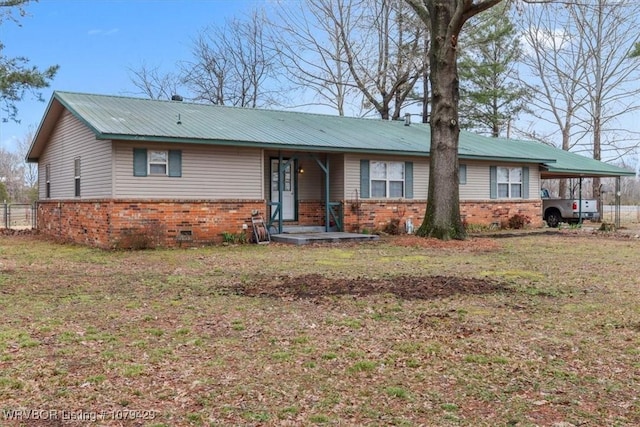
x: 95, y: 42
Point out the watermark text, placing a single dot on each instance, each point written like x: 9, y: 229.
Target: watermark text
x: 23, y: 414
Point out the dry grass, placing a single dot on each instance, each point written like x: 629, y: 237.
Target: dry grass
x: 243, y: 335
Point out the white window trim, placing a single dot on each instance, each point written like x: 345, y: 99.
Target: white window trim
x: 387, y: 180
x: 509, y: 182
x: 165, y: 163
x: 76, y: 176
x: 47, y: 177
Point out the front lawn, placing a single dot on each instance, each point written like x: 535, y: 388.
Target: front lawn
x: 523, y: 331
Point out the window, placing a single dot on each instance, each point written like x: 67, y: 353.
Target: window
x: 387, y: 179
x: 275, y: 175
x: 47, y: 178
x: 509, y: 182
x: 158, y: 162
x: 76, y: 173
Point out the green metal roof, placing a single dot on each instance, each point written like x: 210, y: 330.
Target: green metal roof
x: 125, y: 118
x: 569, y: 164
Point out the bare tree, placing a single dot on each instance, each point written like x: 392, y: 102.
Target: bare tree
x: 154, y: 84
x: 29, y: 170
x: 553, y: 75
x: 445, y: 18
x: 340, y: 48
x: 12, y: 174
x: 307, y: 39
x: 609, y: 32
x: 232, y: 65
x: 581, y: 76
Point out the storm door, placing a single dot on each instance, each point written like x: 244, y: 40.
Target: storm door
x: 288, y: 189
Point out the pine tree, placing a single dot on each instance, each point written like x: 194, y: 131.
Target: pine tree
x: 490, y: 96
x: 16, y: 76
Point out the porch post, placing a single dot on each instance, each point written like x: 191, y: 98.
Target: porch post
x: 280, y: 189
x: 327, y: 209
x: 580, y: 204
x: 617, y: 214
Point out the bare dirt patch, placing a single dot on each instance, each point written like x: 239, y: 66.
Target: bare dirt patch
x: 315, y: 286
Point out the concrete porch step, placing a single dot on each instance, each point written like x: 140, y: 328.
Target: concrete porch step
x: 298, y: 229
x: 331, y: 237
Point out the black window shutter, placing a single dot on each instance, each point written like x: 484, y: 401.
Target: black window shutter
x: 408, y: 180
x: 462, y: 174
x: 175, y: 163
x: 525, y: 182
x: 493, y: 182
x: 364, y: 179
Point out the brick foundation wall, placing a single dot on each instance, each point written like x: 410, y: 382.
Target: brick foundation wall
x: 118, y: 223
x: 375, y: 215
x: 113, y: 223
x: 488, y: 212
x: 311, y: 212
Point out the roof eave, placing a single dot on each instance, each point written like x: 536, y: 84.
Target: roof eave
x: 553, y: 173
x: 48, y: 122
x: 505, y: 159
x: 52, y: 113
x: 254, y: 144
x: 302, y: 147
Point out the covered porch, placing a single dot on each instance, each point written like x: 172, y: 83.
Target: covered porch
x: 298, y: 194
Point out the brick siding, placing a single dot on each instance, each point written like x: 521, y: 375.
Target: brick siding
x: 111, y: 223
x: 360, y: 215
x: 118, y: 223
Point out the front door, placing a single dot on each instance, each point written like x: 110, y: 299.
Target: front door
x: 288, y: 189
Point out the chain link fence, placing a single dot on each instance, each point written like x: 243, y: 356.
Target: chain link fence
x: 18, y: 216
x: 629, y: 214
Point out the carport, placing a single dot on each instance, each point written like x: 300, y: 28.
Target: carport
x: 573, y: 166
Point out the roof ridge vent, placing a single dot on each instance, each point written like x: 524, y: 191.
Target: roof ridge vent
x: 176, y: 97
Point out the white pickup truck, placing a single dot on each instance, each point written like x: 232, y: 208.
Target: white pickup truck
x: 555, y: 211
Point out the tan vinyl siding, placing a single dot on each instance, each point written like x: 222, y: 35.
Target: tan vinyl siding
x: 69, y: 140
x: 478, y: 181
x: 208, y: 173
x: 336, y: 174
x: 420, y: 173
x: 534, y: 182
x: 477, y: 186
x: 311, y: 182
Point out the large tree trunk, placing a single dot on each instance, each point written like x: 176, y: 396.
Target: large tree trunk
x: 445, y: 19
x: 442, y: 219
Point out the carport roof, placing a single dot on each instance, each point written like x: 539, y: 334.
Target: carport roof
x: 133, y: 119
x: 568, y: 165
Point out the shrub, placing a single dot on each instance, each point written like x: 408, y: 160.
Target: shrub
x: 393, y: 227
x: 607, y: 226
x: 147, y: 236
x: 234, y: 238
x: 519, y: 221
